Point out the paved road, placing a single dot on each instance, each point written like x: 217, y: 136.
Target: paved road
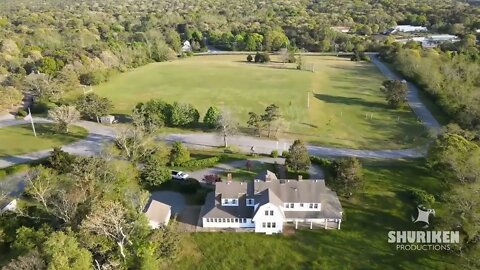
x: 98, y: 134
x: 265, y: 146
x: 91, y: 145
x: 413, y: 100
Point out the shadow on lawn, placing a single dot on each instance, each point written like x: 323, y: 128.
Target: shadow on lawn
x: 350, y: 101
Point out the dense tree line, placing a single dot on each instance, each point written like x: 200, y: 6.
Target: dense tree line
x: 451, y: 78
x: 51, y: 47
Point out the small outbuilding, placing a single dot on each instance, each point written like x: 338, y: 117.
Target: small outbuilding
x: 158, y: 214
x: 108, y: 119
x: 9, y: 206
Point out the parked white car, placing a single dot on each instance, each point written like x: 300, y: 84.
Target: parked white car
x: 179, y: 175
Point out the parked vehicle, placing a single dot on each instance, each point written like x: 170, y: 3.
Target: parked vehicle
x: 179, y: 175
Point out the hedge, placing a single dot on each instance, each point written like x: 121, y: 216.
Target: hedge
x: 206, y: 162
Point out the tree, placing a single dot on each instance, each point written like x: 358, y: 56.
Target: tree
x: 182, y: 114
x: 41, y: 183
x: 156, y: 112
x: 396, y: 92
x: 348, y: 176
x: 211, y: 117
x: 255, y: 122
x: 64, y: 116
x: 272, y: 113
x: 456, y: 157
x: 9, y: 96
x: 226, y: 126
x: 179, y: 154
x: 111, y: 219
x: 92, y: 106
x: 298, y: 158
x: 249, y: 58
x: 154, y: 173
x: 60, y: 160
x: 137, y: 140
x: 262, y: 57
x: 31, y: 261
x: 92, y: 77
x: 62, y: 251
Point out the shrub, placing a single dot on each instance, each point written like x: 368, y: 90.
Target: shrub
x: 205, y: 162
x: 324, y: 162
x: 421, y: 197
x: 274, y: 154
x: 21, y: 113
x: 285, y: 153
x: 41, y: 106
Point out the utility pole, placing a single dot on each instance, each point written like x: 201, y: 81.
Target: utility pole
x: 308, y: 99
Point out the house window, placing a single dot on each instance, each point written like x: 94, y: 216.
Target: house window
x: 310, y: 206
x: 274, y: 224
x: 292, y: 205
x: 236, y: 220
x: 244, y: 220
x: 315, y: 206
x: 301, y: 205
x: 266, y: 212
x: 269, y: 225
x: 250, y: 202
x: 234, y: 201
x: 263, y: 224
x: 287, y: 205
x: 271, y: 212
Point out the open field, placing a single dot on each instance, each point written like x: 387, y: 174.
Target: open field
x: 17, y: 140
x: 383, y: 205
x: 347, y: 109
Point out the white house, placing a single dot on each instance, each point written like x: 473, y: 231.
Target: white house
x: 267, y: 205
x: 158, y: 214
x: 434, y: 40
x: 186, y: 46
x: 408, y: 29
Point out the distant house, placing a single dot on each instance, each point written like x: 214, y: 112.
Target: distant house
x: 340, y: 29
x: 434, y: 40
x: 158, y: 214
x: 8, y: 206
x: 267, y: 205
x: 187, y: 47
x: 407, y: 29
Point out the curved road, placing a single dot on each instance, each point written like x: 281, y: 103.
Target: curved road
x: 99, y: 134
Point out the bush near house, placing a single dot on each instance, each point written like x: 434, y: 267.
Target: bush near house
x: 274, y: 154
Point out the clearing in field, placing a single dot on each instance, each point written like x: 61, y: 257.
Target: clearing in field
x: 347, y: 108
x: 18, y: 140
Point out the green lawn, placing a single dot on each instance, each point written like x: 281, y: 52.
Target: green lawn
x: 17, y: 140
x: 346, y: 109
x: 361, y: 243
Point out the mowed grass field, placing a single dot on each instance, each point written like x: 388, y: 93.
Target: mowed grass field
x: 17, y: 140
x: 347, y: 108
x: 382, y: 206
